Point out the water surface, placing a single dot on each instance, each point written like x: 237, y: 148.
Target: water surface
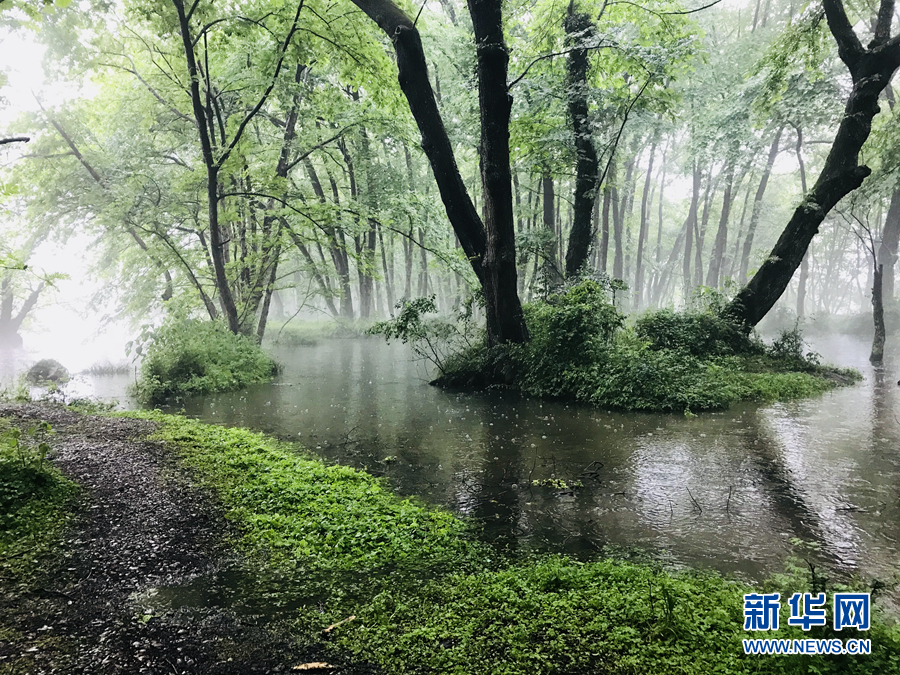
x: 727, y: 491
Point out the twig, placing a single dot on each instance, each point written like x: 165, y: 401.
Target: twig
x: 65, y: 595
x: 696, y: 503
x: 728, y: 501
x: 335, y: 625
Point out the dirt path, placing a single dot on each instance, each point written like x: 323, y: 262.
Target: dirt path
x: 142, y: 527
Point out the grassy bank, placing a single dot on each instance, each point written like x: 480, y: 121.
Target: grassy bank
x: 35, y: 500
x: 582, y: 349
x: 306, y: 332
x: 427, y: 597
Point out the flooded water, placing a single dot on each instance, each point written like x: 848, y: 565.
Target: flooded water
x: 727, y: 491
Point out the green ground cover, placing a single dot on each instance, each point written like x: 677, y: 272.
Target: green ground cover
x: 582, y: 349
x: 35, y: 501
x: 427, y: 597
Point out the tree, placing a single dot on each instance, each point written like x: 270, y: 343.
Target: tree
x: 216, y: 151
x: 871, y: 69
x: 579, y: 28
x: 489, y: 245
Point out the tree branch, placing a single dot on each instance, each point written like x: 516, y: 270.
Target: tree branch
x: 850, y: 48
x: 883, y: 24
x: 265, y: 96
x: 321, y: 145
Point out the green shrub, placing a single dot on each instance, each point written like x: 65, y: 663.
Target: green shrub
x: 570, y: 332
x: 198, y: 357
x: 698, y: 333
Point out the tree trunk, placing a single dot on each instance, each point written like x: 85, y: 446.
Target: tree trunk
x: 877, y: 355
x: 604, y: 231
x: 887, y: 252
x: 662, y: 187
x: 757, y: 204
x: 700, y: 232
x: 662, y: 282
x: 618, y: 212
x: 579, y: 28
x: 871, y: 70
x: 718, y: 252
x: 689, y: 235
x: 552, y: 274
x: 644, y: 229
x: 804, y: 264
x: 489, y: 246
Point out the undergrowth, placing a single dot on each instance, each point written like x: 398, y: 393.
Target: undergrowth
x: 34, y: 497
x: 581, y: 349
x: 307, y: 333
x: 393, y: 582
x: 187, y: 357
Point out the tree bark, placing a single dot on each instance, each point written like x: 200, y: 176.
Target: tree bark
x: 887, y: 251
x: 877, y: 355
x: 718, y: 252
x: 804, y: 264
x: 551, y: 271
x: 578, y: 27
x: 644, y: 229
x: 871, y: 69
x: 489, y: 245
x: 689, y: 235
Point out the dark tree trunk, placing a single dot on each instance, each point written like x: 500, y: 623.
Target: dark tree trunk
x: 578, y: 28
x: 662, y: 282
x: 489, y: 246
x: 887, y: 252
x: 618, y: 209
x: 689, y: 234
x: 644, y: 230
x: 408, y: 241
x: 267, y: 301
x: 740, y: 233
x: 801, y: 286
x: 662, y: 187
x: 551, y: 271
x: 9, y: 324
x: 804, y: 264
x: 339, y: 256
x: 604, y: 229
x: 871, y: 70
x: 423, y: 265
x: 877, y: 355
x: 700, y: 232
x: 388, y: 273
x: 214, y: 158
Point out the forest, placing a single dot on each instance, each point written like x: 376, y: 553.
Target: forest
x: 505, y: 336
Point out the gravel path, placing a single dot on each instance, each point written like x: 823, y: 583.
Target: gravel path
x: 143, y: 526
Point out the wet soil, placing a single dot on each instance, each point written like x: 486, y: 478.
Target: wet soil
x: 141, y: 526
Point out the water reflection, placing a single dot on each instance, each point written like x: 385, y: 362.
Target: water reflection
x: 725, y: 490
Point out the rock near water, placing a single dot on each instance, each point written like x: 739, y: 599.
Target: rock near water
x: 48, y: 370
